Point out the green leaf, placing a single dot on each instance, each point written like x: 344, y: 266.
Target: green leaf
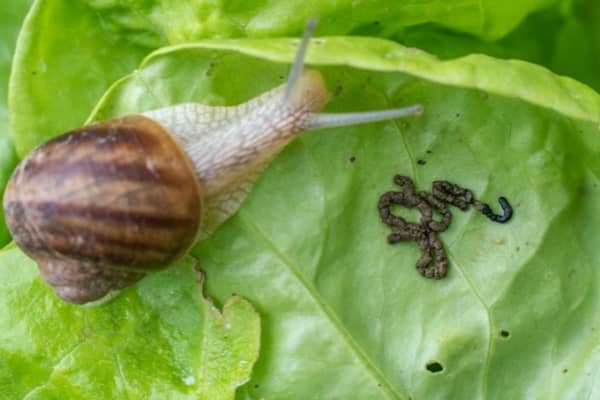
x: 346, y: 315
x: 159, y: 340
x: 577, y: 49
x: 63, y: 67
x: 10, y: 22
x: 564, y: 39
x: 148, y: 88
x: 197, y: 19
x: 502, y: 17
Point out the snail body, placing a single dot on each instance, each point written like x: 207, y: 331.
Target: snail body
x: 99, y: 207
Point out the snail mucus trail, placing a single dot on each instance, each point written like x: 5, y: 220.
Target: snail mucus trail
x: 99, y: 207
x: 433, y: 262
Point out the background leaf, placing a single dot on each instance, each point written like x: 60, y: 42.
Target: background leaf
x: 159, y: 340
x: 512, y: 78
x: 10, y: 22
x: 577, y: 49
x: 564, y: 38
x: 53, y: 90
x: 198, y: 19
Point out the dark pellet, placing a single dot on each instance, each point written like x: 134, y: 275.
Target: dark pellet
x: 433, y: 262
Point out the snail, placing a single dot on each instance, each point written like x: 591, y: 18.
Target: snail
x: 99, y: 207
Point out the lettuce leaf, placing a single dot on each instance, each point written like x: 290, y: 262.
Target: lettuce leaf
x: 565, y: 39
x: 58, y: 80
x: 343, y: 314
x: 309, y: 251
x: 10, y: 22
x: 160, y: 340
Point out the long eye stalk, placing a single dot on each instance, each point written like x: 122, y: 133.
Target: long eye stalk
x: 328, y: 120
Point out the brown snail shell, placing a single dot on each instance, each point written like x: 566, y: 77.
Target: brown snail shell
x: 100, y: 206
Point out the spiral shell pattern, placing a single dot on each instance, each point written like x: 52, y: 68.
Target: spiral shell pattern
x: 100, y: 206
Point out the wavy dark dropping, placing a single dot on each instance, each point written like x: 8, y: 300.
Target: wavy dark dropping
x: 425, y: 232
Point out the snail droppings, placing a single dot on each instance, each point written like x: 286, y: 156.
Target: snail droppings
x: 433, y: 262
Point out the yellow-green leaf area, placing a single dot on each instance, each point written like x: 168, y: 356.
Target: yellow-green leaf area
x: 160, y: 339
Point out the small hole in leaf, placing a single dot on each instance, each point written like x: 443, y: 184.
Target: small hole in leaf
x: 564, y: 371
x: 421, y: 162
x: 434, y: 367
x: 505, y: 334
x: 352, y: 159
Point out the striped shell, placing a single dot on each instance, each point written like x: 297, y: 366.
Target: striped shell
x: 100, y: 206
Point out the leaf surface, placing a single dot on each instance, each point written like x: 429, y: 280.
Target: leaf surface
x: 159, y: 340
x: 10, y: 22
x: 346, y: 315
x: 63, y: 66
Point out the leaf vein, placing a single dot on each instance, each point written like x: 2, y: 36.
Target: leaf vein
x: 386, y: 386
